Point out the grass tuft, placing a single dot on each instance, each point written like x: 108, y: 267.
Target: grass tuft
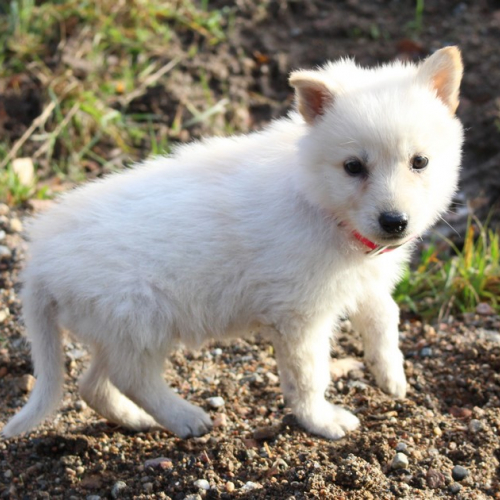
x: 442, y: 285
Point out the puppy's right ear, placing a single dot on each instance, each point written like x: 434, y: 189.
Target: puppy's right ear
x: 313, y: 96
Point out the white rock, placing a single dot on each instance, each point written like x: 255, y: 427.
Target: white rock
x: 202, y: 484
x: 250, y: 485
x: 272, y: 378
x: 25, y: 170
x: 400, y: 461
x: 475, y: 426
x: 4, y: 314
x: 81, y: 405
x: 490, y: 335
x: 16, y: 226
x: 216, y: 402
x: 5, y: 252
x: 118, y: 487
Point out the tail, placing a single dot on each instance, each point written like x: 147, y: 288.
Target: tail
x: 47, y: 354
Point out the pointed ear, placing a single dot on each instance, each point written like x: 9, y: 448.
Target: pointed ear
x: 312, y: 94
x: 443, y: 70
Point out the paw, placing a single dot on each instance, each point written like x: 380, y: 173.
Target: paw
x: 191, y: 422
x: 389, y: 374
x: 329, y: 421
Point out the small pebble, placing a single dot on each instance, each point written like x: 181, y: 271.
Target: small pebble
x: 216, y: 402
x: 5, y: 252
x: 93, y: 497
x: 435, y: 479
x: 460, y: 412
x: 459, y: 473
x: 148, y: 487
x: 254, y: 378
x: 230, y: 487
x: 272, y: 378
x: 118, y: 487
x: 203, y: 484
x: 357, y: 384
x: 484, y: 309
x: 26, y: 383
x: 455, y: 488
x: 437, y: 431
x: 220, y: 420
x: 16, y: 226
x: 4, y: 314
x: 402, y: 447
x: 263, y: 433
x: 489, y: 335
x: 160, y: 463
x: 2, y: 234
x: 400, y: 461
x: 475, y: 426
x: 426, y: 352
x: 7, y: 474
x: 80, y: 405
x: 250, y: 485
x: 4, y: 209
x: 217, y: 351
x: 279, y: 465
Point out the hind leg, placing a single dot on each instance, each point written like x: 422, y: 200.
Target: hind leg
x: 101, y: 395
x: 140, y: 377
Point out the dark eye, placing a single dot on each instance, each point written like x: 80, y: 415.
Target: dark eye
x: 354, y: 167
x: 419, y: 163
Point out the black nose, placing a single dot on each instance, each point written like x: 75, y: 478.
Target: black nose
x: 393, y: 222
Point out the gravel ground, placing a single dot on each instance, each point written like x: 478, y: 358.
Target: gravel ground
x: 440, y: 442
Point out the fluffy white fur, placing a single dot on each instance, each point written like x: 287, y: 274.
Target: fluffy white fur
x: 230, y: 235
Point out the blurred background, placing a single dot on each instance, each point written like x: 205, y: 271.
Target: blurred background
x: 89, y: 87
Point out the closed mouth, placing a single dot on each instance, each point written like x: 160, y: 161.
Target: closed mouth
x: 375, y: 249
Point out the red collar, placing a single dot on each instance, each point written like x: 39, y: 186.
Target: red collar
x: 374, y: 248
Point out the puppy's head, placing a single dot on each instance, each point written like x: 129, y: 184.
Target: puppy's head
x: 383, y: 146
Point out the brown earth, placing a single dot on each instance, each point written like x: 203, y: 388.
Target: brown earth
x: 451, y: 414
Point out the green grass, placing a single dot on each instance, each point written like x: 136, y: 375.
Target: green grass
x: 90, y: 60
x: 442, y: 284
x: 416, y: 25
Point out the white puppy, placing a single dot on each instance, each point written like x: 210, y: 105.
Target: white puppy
x: 284, y: 230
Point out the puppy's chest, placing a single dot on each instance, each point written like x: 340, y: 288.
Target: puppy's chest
x: 342, y: 285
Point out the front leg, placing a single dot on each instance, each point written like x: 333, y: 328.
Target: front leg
x: 303, y: 361
x: 377, y: 319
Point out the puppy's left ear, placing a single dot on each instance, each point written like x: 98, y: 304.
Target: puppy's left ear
x: 312, y: 94
x: 444, y: 70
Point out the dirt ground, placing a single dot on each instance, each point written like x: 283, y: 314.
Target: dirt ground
x: 440, y: 442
